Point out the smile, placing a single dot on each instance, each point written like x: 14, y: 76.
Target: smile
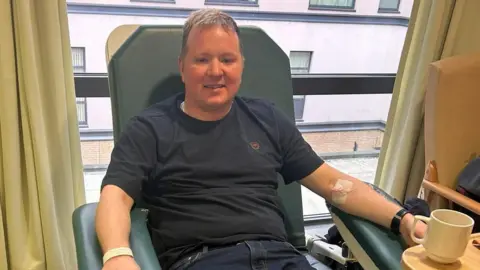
x: 214, y: 86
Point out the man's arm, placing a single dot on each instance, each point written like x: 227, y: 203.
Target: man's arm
x: 132, y: 160
x: 113, y: 218
x: 357, y: 198
x: 301, y: 163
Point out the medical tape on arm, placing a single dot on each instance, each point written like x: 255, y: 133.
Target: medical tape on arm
x: 340, y: 191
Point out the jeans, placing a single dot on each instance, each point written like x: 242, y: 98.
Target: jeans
x: 248, y: 255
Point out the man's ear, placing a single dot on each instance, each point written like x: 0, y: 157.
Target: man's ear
x: 180, y: 67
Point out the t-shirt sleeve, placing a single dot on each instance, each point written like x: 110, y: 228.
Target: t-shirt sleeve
x: 299, y: 159
x: 132, y: 159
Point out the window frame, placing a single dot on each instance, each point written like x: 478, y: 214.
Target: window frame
x: 389, y: 10
x: 242, y: 3
x: 310, y: 54
x: 83, y: 52
x: 332, y: 7
x: 82, y: 101
x: 301, y: 106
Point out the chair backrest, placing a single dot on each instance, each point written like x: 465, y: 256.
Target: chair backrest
x: 144, y: 71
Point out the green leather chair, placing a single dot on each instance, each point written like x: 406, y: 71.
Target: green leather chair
x: 144, y: 71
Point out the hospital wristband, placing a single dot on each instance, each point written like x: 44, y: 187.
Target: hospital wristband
x: 115, y: 252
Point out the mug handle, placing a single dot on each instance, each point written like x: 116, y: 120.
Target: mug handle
x: 412, y: 232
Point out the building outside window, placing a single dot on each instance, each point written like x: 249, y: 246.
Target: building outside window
x: 78, y: 62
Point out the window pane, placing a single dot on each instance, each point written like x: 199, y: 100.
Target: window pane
x: 346, y: 130
x: 333, y: 3
x: 298, y: 105
x: 389, y: 4
x: 300, y: 62
x: 96, y: 144
x: 82, y: 111
x: 78, y: 59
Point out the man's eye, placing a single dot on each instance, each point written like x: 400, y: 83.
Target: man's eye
x: 201, y: 60
x: 228, y: 60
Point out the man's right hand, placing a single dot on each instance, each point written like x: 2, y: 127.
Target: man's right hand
x: 121, y: 263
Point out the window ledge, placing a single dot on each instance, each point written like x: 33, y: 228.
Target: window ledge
x: 231, y: 3
x: 389, y: 11
x: 329, y: 8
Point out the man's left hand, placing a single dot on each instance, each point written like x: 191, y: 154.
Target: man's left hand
x: 406, y: 226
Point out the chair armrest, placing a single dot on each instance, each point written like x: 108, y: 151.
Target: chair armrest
x: 452, y: 195
x: 89, y: 253
x: 374, y: 246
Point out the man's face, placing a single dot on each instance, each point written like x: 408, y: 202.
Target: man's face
x: 212, y: 66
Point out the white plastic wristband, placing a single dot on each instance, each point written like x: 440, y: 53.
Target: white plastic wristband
x: 115, y: 252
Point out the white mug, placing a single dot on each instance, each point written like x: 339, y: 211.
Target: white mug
x: 447, y: 236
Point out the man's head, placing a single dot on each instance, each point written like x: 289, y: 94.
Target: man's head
x: 211, y: 61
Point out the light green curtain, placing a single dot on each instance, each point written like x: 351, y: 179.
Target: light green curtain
x: 402, y: 162
x: 41, y: 176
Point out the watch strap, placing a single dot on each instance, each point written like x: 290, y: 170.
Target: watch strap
x: 395, y: 224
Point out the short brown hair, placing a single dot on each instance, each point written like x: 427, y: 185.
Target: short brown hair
x: 207, y: 17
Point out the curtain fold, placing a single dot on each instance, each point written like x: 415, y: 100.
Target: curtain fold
x: 401, y: 163
x: 41, y: 174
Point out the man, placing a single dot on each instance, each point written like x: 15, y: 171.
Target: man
x: 206, y: 163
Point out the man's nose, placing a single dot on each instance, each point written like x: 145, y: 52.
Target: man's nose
x: 215, y: 68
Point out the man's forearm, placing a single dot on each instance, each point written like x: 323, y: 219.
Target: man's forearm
x: 365, y: 202
x: 112, y: 223
x: 351, y: 195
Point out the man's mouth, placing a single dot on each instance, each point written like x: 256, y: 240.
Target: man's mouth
x: 214, y: 86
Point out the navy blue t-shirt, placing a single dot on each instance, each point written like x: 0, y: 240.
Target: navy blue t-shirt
x: 210, y: 182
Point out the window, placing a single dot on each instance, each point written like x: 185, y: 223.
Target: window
x: 78, y: 59
x: 232, y: 2
x: 333, y: 4
x: 300, y: 62
x: 298, y: 105
x: 389, y: 5
x: 338, y: 106
x: 82, y: 111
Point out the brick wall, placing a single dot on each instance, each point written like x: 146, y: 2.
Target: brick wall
x: 98, y: 152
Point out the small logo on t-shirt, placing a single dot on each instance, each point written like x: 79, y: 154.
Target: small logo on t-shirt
x: 255, y: 145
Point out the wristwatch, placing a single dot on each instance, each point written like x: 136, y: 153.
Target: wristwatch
x: 395, y: 225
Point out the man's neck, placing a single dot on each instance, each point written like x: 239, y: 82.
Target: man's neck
x: 199, y: 114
